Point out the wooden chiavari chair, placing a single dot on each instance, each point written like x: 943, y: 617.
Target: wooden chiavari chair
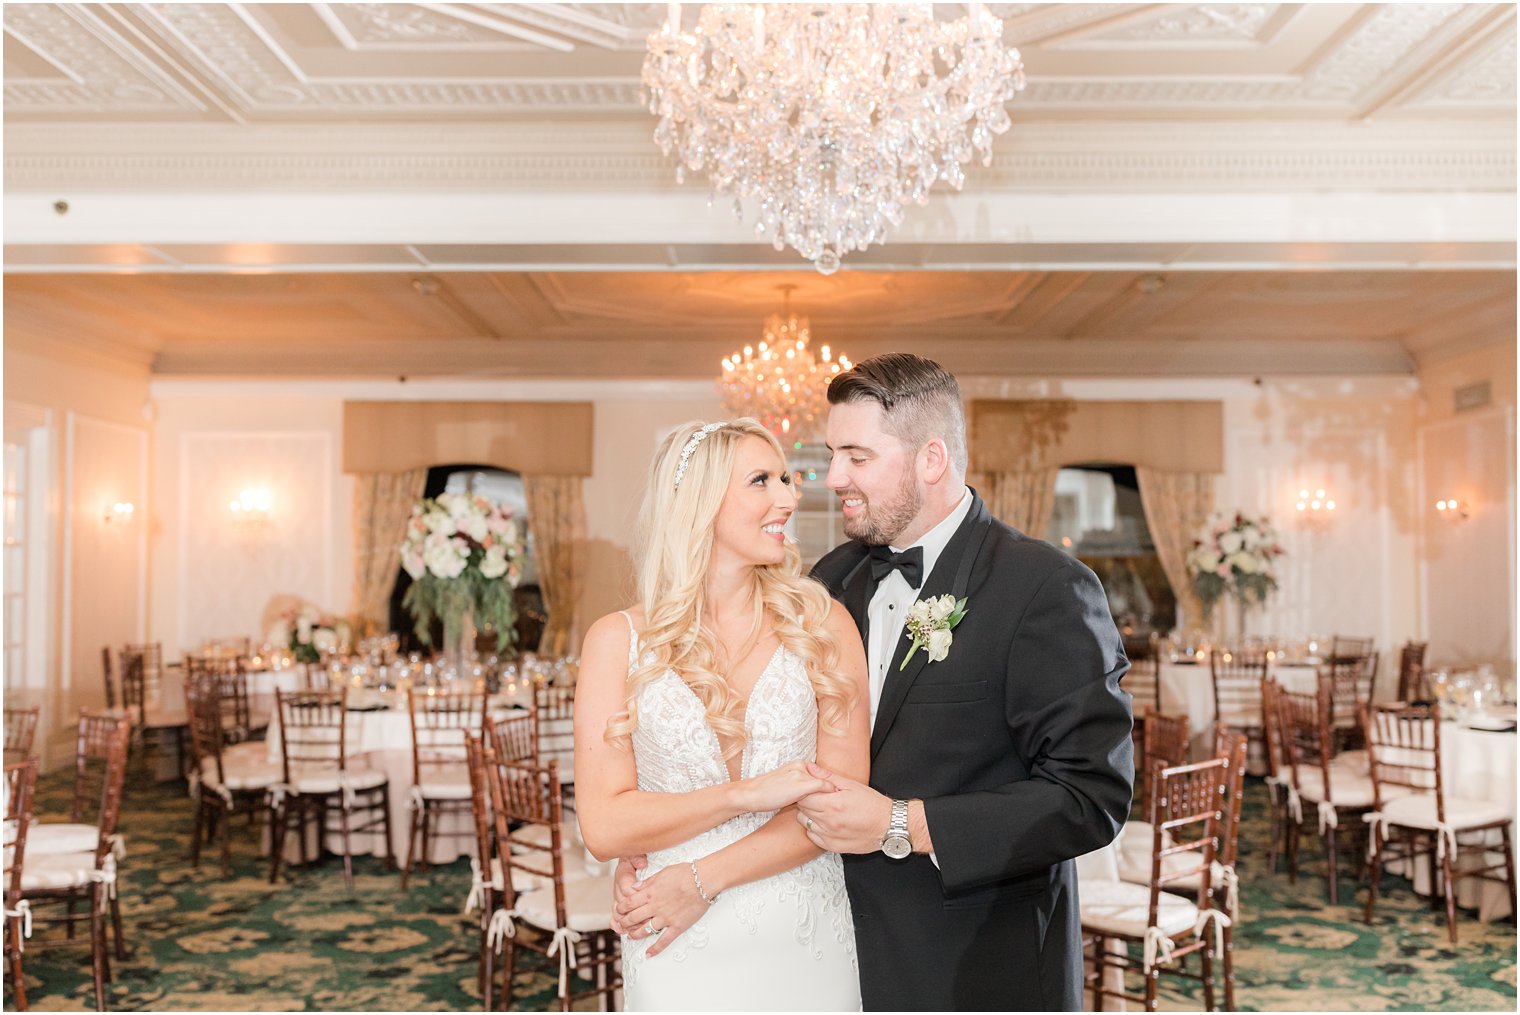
x: 554, y: 728
x: 1353, y: 666
x: 440, y: 776
x: 1279, y: 779
x: 141, y: 677
x: 1309, y: 749
x: 1237, y: 677
x: 21, y: 733
x: 318, y: 777
x: 58, y: 871
x: 1187, y: 807
x: 226, y: 780
x: 229, y: 677
x: 1404, y: 750
x: 573, y: 914
x: 20, y: 782
x: 486, y: 879
x: 514, y: 738
x: 1412, y: 672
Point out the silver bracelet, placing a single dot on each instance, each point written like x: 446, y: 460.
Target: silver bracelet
x: 698, y: 879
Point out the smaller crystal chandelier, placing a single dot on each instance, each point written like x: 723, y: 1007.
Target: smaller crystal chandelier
x: 780, y: 382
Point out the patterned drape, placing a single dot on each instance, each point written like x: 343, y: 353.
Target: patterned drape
x: 1022, y: 499
x: 1177, y: 504
x: 557, y: 516
x: 382, y: 504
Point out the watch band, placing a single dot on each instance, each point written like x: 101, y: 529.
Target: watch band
x: 899, y: 824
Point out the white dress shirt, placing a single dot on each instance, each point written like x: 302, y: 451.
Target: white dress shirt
x: 888, y: 610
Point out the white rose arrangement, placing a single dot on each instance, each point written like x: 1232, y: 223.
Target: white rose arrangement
x: 1234, y: 555
x: 309, y: 634
x: 929, y: 624
x: 464, y: 554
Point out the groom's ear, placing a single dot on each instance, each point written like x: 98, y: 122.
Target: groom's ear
x: 933, y: 460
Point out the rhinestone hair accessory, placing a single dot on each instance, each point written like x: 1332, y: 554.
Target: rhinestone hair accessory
x: 691, y: 445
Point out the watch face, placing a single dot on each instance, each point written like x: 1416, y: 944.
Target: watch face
x: 897, y: 846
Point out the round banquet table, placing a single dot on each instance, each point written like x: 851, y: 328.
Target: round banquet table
x: 1188, y: 689
x: 382, y: 739
x: 1480, y: 765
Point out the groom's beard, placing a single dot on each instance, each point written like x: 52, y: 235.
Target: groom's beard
x: 878, y: 524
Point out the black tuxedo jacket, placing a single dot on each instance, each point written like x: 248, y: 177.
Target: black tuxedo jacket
x: 1018, y: 744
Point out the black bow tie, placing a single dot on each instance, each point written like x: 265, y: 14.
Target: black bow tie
x: 910, y: 562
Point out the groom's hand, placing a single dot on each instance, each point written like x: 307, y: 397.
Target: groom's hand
x: 851, y: 819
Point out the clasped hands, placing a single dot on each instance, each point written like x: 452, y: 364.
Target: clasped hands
x: 838, y: 814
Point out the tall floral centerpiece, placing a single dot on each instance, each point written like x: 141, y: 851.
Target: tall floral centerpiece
x: 1233, y: 556
x: 464, y: 555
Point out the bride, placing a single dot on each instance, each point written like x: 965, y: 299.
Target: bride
x: 696, y: 714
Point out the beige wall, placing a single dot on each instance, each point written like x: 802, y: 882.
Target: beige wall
x: 211, y: 578
x: 88, y: 416
x: 1466, y: 566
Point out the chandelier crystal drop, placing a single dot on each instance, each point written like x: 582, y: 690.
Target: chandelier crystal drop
x: 780, y: 382
x: 832, y: 117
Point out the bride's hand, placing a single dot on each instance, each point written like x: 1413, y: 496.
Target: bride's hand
x: 780, y: 788
x: 665, y: 905
x: 624, y: 881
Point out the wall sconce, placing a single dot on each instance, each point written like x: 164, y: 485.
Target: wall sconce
x: 119, y: 513
x: 252, y: 507
x: 1314, y: 502
x: 1453, y: 510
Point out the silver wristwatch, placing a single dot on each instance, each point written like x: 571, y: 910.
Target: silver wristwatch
x: 896, y: 843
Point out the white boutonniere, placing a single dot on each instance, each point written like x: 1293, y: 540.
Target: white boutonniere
x: 929, y: 624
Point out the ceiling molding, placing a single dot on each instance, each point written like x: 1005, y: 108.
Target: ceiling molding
x: 602, y: 155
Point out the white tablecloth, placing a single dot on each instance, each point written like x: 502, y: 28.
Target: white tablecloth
x: 1188, y: 689
x: 382, y: 739
x: 1480, y: 765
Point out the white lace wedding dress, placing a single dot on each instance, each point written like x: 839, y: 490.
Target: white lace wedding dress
x: 785, y: 943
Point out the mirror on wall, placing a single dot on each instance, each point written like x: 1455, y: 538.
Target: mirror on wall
x: 1098, y: 518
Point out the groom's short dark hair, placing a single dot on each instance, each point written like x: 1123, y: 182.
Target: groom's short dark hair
x: 919, y: 398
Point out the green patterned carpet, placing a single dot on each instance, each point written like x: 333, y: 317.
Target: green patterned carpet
x: 198, y: 942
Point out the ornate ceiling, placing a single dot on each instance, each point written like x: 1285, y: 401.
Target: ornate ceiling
x: 473, y: 189
x: 263, y: 63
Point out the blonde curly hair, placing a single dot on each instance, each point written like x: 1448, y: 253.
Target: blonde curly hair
x: 676, y: 539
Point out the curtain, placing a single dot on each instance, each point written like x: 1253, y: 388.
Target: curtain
x: 382, y: 504
x: 557, y: 517
x: 1022, y: 499
x: 1177, y: 504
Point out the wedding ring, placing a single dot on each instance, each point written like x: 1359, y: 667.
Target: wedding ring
x: 807, y: 822
x: 649, y: 926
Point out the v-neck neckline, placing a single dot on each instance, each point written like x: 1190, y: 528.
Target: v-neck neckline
x: 749, y: 701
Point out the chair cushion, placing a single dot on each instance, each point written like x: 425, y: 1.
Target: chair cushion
x: 322, y: 780
x: 1347, y: 788
x: 538, y: 835
x: 588, y: 905
x: 1119, y: 907
x: 56, y: 870
x: 445, y: 783
x: 241, y: 772
x: 1409, y: 811
x: 248, y: 752
x: 49, y: 837
x: 1355, y: 761
x: 1134, y: 849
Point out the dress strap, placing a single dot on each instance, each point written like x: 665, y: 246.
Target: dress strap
x: 633, y: 639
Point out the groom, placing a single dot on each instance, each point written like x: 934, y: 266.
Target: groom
x: 992, y: 767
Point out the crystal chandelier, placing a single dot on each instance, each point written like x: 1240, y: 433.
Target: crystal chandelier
x: 833, y: 117
x: 780, y: 382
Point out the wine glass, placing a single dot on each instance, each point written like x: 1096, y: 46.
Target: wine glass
x: 1461, y: 689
